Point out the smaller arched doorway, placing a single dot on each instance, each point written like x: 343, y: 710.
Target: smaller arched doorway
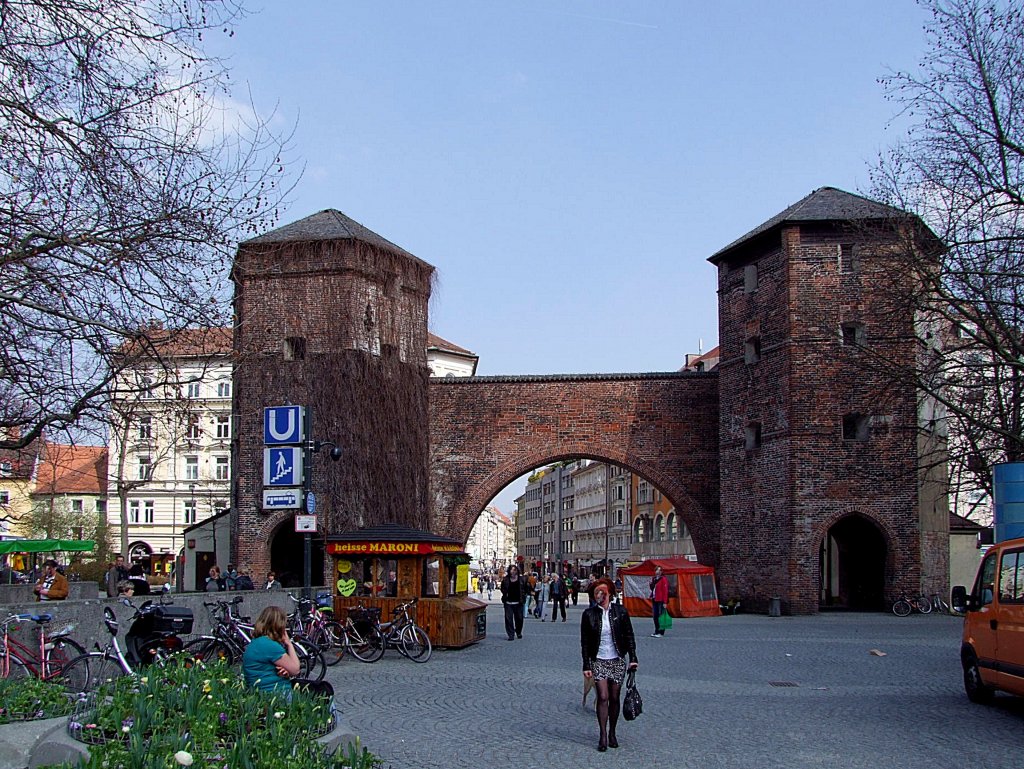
x: 286, y: 556
x: 852, y: 566
x: 141, y: 553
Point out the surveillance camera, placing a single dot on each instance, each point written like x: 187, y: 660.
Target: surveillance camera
x: 335, y: 453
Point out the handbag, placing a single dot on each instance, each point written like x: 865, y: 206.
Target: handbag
x: 664, y: 620
x: 633, y: 703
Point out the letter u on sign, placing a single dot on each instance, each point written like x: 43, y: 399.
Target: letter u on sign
x: 284, y: 424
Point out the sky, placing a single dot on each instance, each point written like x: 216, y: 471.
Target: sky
x: 568, y: 166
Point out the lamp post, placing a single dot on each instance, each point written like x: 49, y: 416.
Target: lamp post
x: 310, y: 448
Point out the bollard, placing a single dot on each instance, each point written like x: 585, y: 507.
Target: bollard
x: 775, y: 607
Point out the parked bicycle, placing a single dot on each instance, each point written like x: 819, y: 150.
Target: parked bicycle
x: 361, y: 633
x: 940, y: 606
x: 152, y: 637
x: 404, y: 634
x: 54, y: 652
x: 310, y: 623
x: 904, y: 605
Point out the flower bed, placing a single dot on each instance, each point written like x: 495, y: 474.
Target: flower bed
x: 28, y: 699
x: 188, y: 714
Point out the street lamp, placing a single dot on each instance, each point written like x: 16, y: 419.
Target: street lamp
x: 312, y: 447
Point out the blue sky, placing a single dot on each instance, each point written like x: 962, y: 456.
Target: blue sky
x: 568, y: 166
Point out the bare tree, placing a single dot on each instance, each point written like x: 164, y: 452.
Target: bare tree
x: 125, y: 181
x: 961, y: 169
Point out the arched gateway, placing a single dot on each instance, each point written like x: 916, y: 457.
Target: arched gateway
x: 487, y: 431
x: 794, y: 465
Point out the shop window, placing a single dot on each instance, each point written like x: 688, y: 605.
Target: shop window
x: 431, y: 587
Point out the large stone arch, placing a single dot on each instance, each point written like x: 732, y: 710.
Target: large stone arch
x: 487, y: 431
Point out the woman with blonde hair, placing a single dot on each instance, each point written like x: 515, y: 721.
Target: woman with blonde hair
x: 269, y: 660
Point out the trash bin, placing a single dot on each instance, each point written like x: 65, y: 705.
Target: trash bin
x: 775, y: 607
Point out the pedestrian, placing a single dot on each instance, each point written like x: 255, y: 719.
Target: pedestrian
x: 243, y: 581
x: 513, y: 594
x: 659, y: 597
x: 574, y: 588
x: 542, y: 596
x: 138, y: 578
x: 531, y: 592
x: 117, y: 572
x: 214, y: 583
x: 558, y: 594
x: 272, y: 582
x: 231, y: 578
x: 490, y: 586
x: 52, y: 585
x: 606, y: 638
x: 125, y: 589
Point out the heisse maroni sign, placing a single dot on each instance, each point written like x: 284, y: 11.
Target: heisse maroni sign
x: 390, y: 548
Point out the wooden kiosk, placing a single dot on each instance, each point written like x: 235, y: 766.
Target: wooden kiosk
x: 385, y: 566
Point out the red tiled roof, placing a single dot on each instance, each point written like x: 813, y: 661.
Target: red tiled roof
x: 72, y: 470
x: 434, y: 341
x: 193, y: 342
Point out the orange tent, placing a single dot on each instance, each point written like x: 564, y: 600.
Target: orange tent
x: 691, y: 588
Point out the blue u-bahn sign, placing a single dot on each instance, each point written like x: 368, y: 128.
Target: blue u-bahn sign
x: 284, y: 425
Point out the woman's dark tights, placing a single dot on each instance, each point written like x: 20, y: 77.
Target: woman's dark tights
x: 608, y: 704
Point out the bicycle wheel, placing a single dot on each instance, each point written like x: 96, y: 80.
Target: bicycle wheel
x: 104, y: 671
x: 12, y: 667
x: 902, y: 608
x: 75, y: 674
x: 924, y: 605
x: 209, y: 650
x: 311, y: 660
x: 416, y: 643
x: 332, y: 643
x: 365, y: 648
x: 60, y: 653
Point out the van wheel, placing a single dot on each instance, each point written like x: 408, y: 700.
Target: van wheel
x: 976, y: 690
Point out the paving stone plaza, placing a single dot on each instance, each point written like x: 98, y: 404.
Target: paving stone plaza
x: 745, y: 691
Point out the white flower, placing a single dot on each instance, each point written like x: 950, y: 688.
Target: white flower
x: 126, y: 729
x: 183, y: 757
x: 145, y: 679
x: 279, y: 714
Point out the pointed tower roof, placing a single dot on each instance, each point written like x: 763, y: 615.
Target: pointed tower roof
x: 328, y: 224
x: 825, y: 204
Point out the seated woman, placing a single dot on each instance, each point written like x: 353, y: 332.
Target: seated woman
x: 125, y: 588
x: 269, y: 660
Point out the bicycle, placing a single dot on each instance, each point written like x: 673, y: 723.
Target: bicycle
x: 309, y: 623
x: 940, y: 605
x: 404, y: 634
x: 56, y: 650
x: 361, y: 633
x: 903, y: 606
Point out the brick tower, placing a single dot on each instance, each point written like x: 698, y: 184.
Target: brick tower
x: 821, y: 499
x: 331, y: 315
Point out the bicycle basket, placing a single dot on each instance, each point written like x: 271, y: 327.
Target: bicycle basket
x: 324, y: 600
x: 364, y: 619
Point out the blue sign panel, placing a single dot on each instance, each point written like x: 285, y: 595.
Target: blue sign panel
x: 284, y: 424
x: 282, y: 466
x: 310, y: 503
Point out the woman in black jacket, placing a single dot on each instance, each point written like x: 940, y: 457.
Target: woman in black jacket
x: 606, y: 637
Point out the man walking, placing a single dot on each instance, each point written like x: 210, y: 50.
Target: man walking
x: 513, y: 591
x: 558, y: 590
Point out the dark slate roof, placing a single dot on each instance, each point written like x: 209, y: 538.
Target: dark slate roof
x: 328, y: 224
x: 390, y: 532
x: 825, y: 204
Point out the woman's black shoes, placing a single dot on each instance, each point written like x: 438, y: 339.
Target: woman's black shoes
x: 612, y: 742
x: 602, y: 747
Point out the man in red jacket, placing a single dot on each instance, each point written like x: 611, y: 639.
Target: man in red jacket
x: 659, y: 597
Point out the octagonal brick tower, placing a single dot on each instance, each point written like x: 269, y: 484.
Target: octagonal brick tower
x: 330, y: 315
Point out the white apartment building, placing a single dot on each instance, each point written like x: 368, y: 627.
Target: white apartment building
x: 492, y: 542
x: 170, y: 447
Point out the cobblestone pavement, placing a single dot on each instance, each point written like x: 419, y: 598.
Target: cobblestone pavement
x: 711, y: 699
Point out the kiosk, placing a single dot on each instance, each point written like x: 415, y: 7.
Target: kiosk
x: 385, y: 566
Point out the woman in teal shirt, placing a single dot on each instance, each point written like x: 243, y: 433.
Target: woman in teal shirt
x: 269, y: 660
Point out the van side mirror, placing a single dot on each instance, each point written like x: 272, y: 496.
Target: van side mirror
x: 959, y: 599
